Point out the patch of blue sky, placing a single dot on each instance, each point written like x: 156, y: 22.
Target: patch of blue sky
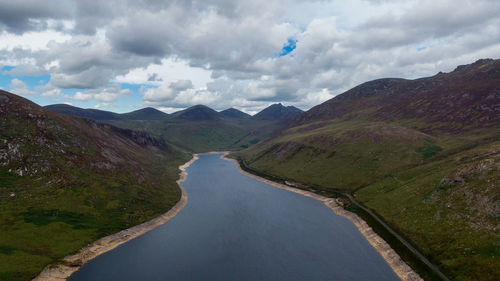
x: 30, y: 81
x: 122, y: 104
x: 289, y: 46
x: 129, y: 103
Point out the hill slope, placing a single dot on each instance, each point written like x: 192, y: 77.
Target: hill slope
x: 278, y: 112
x: 94, y: 114
x: 424, y: 154
x: 66, y: 181
x: 147, y: 113
x: 234, y: 113
x: 196, y: 113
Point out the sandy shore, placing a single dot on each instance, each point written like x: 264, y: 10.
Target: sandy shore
x: 58, y: 272
x: 402, y: 270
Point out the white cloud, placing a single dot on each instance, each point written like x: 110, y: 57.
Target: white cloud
x: 33, y: 41
x: 168, y: 70
x: 105, y: 94
x: 227, y: 48
x: 179, y: 94
x: 18, y: 87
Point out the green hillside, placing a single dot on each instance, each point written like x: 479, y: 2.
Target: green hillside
x: 423, y: 154
x: 206, y: 135
x: 66, y: 181
x: 198, y: 128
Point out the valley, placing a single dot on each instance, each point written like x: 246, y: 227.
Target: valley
x: 423, y: 155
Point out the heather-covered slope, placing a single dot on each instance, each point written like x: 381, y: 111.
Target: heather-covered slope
x: 66, y: 181
x: 424, y: 154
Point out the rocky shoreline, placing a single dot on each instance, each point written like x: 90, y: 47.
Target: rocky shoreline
x: 402, y: 270
x: 70, y: 264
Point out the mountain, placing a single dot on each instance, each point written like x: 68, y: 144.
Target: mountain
x: 147, y: 113
x: 80, y: 112
x: 234, y: 113
x: 278, y: 112
x: 197, y: 113
x: 423, y: 154
x: 195, y: 129
x: 464, y: 97
x: 66, y: 181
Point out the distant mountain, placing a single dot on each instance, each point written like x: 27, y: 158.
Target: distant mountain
x: 80, y: 112
x: 197, y: 113
x: 234, y: 113
x: 423, y: 154
x: 66, y: 181
x: 278, y: 112
x: 196, y: 129
x: 147, y: 113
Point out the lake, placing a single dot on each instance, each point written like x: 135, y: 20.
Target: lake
x: 235, y: 227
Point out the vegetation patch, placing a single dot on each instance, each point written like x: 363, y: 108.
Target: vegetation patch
x: 429, y: 149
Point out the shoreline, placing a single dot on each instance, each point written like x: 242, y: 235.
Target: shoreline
x: 400, y: 268
x: 72, y: 263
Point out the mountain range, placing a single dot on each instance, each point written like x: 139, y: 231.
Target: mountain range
x: 198, y: 128
x: 422, y: 154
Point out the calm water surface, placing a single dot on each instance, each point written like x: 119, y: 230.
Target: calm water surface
x: 237, y: 228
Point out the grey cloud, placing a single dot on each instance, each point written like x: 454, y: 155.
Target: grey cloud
x: 237, y: 41
x: 92, y: 77
x: 181, y: 85
x: 154, y: 78
x: 426, y: 20
x: 22, y: 15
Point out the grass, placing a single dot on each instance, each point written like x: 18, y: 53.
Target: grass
x: 396, y: 170
x: 429, y: 149
x: 87, y: 181
x: 206, y: 135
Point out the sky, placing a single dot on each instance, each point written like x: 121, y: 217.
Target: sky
x: 129, y: 54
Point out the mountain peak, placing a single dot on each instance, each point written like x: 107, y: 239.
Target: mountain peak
x: 234, y: 113
x: 147, y: 113
x: 278, y: 111
x: 197, y: 112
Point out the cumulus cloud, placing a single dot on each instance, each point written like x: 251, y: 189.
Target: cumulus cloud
x: 105, y: 95
x: 20, y: 88
x: 179, y: 94
x: 24, y: 15
x: 226, y: 52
